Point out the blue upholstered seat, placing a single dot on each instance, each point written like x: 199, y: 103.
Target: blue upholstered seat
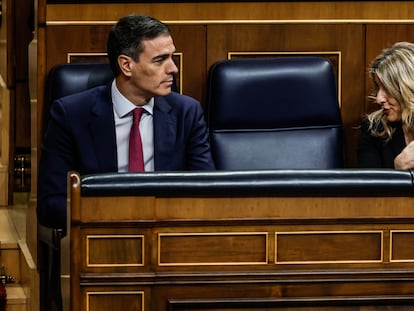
x: 274, y: 113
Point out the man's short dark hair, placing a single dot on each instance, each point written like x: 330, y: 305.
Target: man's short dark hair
x: 127, y: 34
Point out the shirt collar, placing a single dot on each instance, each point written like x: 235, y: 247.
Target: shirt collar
x: 123, y: 106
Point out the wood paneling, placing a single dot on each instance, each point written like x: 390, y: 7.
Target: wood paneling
x: 114, y: 300
x: 190, y: 40
x: 77, y: 39
x: 348, y: 40
x: 278, y: 11
x: 328, y: 247
x: 114, y: 250
x: 212, y: 248
x: 204, y: 33
x: 201, y: 46
x: 399, y: 239
x: 380, y: 36
x: 242, y: 253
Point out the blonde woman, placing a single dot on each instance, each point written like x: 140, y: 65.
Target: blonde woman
x: 387, y: 134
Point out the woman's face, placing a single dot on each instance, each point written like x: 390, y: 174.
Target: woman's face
x: 390, y: 107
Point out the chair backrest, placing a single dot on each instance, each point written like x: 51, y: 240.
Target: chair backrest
x: 70, y: 78
x: 274, y: 113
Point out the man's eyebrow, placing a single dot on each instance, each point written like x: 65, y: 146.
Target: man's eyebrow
x: 161, y: 56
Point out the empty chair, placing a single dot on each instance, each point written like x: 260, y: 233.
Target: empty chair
x: 274, y: 113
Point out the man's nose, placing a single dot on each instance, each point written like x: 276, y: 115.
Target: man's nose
x: 172, y: 68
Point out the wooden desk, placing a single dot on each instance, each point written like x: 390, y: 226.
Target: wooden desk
x: 240, y: 252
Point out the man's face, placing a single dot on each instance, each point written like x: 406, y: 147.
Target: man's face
x: 153, y: 74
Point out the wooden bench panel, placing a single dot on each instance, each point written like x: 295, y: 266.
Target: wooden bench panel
x: 149, y: 252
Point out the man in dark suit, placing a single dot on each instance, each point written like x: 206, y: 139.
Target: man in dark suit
x: 89, y: 131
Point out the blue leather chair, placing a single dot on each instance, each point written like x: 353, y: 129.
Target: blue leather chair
x: 64, y: 79
x: 274, y: 113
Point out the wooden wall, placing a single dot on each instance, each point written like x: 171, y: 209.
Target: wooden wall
x: 353, y: 31
x: 225, y: 252
x: 206, y: 32
x: 6, y: 96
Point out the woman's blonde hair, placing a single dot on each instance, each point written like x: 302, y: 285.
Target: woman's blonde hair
x: 394, y: 68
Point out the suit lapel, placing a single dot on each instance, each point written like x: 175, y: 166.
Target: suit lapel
x: 164, y: 133
x: 102, y: 129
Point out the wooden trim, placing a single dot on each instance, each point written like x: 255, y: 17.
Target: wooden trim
x: 241, y: 22
x: 235, y: 12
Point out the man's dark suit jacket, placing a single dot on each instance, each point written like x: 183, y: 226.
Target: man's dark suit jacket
x: 374, y: 152
x: 81, y: 136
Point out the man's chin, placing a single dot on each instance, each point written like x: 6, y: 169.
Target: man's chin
x: 164, y: 92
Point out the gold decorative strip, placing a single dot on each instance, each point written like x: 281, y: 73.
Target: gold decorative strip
x: 100, y: 298
x: 178, y: 59
x: 140, y: 254
x: 401, y: 246
x: 241, y: 22
x: 86, y: 57
x: 213, y: 248
x: 320, y: 247
x: 74, y: 57
x: 335, y: 57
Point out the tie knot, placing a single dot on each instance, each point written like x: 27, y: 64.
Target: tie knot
x: 137, y: 113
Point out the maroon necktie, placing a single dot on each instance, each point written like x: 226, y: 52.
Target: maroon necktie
x: 136, y: 158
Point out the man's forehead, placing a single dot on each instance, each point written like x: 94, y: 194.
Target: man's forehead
x: 159, y: 43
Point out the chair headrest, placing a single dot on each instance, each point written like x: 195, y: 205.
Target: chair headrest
x: 70, y: 78
x: 272, y: 92
x: 66, y: 79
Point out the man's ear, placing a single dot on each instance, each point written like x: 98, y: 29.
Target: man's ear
x: 124, y: 63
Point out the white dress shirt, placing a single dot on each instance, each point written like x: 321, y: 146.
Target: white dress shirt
x: 123, y: 122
